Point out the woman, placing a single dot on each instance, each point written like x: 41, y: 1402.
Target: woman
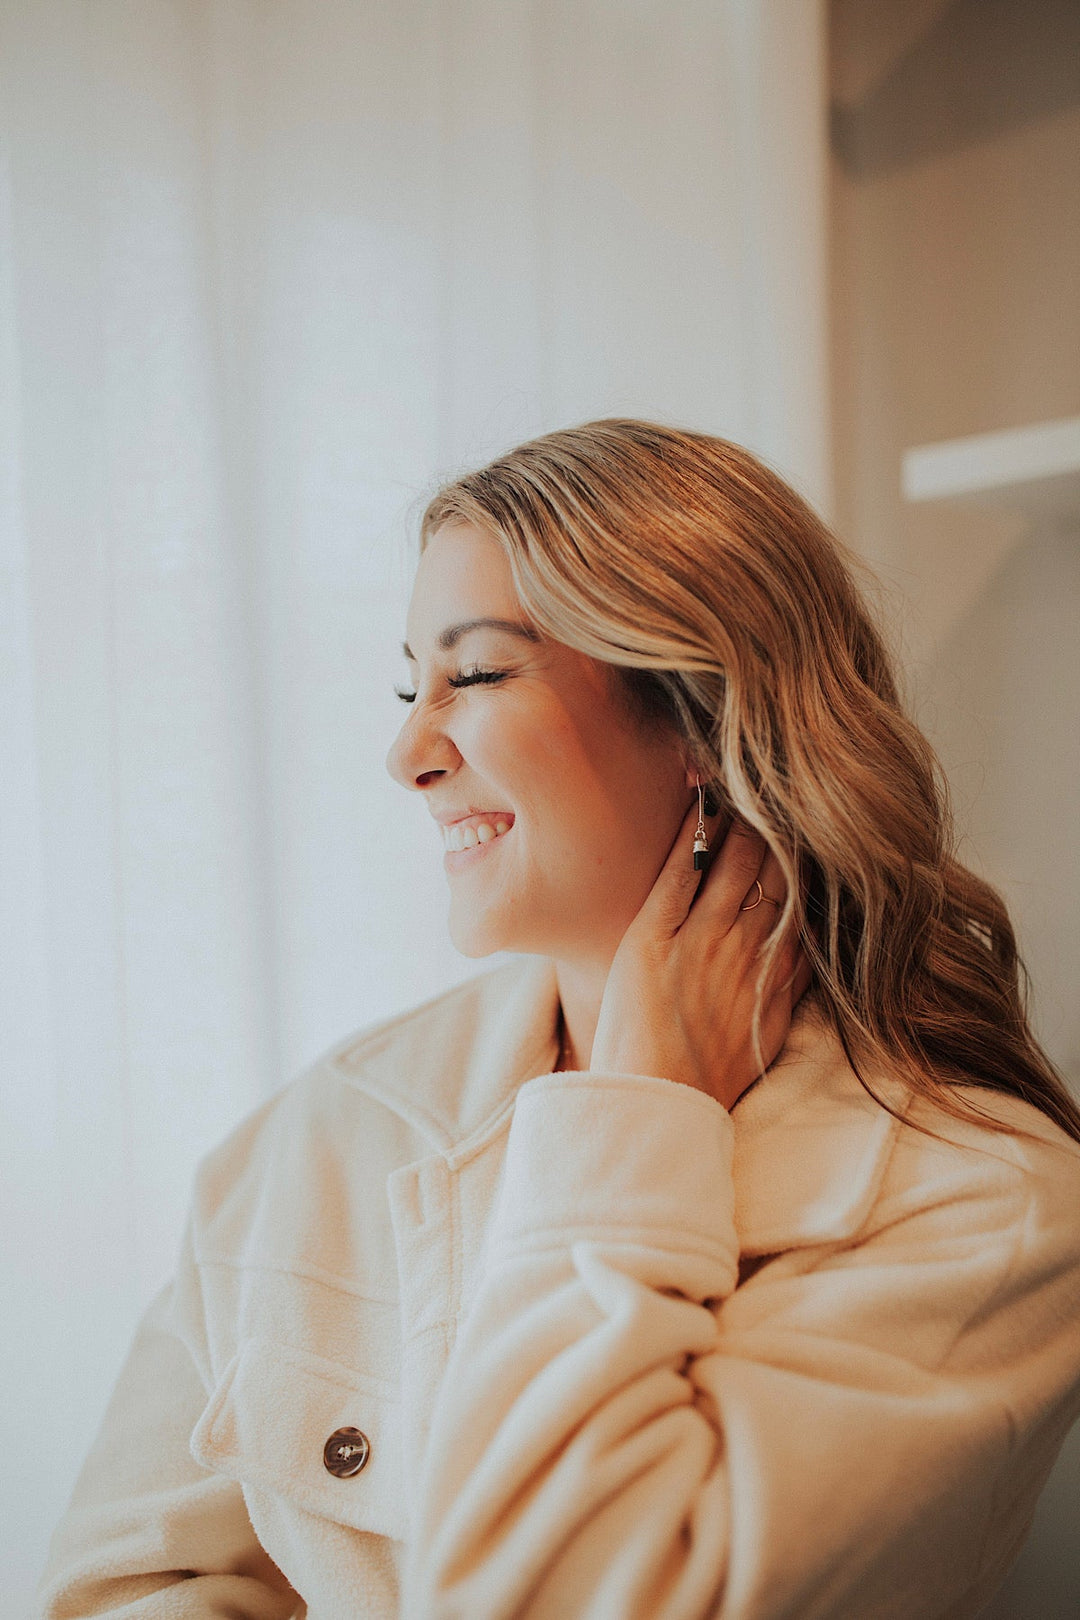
x: 717, y: 1256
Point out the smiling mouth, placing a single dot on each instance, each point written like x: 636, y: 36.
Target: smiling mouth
x: 476, y: 851
x: 476, y: 830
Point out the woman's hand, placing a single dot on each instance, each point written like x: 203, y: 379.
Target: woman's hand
x: 679, y: 996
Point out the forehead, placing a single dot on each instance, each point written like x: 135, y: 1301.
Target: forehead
x: 462, y: 574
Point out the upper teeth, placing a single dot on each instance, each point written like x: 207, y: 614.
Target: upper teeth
x: 458, y: 837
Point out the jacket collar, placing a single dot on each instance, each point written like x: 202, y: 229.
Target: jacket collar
x: 453, y: 1065
x: 810, y: 1145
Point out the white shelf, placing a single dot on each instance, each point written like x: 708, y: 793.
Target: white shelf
x: 1034, y: 471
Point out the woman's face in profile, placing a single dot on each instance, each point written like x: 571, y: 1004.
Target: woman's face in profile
x: 591, y: 799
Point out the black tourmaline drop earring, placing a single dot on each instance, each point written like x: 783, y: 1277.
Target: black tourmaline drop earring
x: 701, y: 842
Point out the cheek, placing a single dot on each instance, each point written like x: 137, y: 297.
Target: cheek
x: 538, y: 749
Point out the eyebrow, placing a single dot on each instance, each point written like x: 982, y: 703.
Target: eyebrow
x: 452, y: 635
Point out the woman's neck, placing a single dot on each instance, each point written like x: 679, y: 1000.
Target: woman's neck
x: 581, y: 990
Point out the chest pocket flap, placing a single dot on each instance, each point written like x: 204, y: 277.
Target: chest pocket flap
x: 269, y: 1421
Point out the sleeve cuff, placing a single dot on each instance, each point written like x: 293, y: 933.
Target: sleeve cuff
x: 618, y: 1158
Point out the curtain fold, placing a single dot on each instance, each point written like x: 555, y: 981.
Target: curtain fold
x: 270, y: 272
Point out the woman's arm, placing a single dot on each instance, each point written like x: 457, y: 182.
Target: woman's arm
x: 148, y: 1533
x: 858, y: 1431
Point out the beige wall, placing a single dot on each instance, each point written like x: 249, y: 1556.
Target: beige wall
x: 955, y: 311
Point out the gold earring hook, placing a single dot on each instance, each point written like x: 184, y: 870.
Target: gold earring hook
x: 701, y: 842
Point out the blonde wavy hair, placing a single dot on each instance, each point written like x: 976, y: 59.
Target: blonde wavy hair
x: 730, y: 611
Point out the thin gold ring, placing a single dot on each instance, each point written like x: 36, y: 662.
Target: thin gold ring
x: 761, y: 895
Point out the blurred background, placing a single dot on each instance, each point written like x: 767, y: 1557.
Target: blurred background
x: 271, y: 271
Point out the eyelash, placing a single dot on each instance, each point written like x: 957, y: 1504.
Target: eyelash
x: 468, y: 677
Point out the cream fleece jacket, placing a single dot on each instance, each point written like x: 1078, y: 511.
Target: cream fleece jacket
x: 619, y: 1354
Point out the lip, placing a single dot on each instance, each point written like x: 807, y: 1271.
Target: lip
x: 450, y: 817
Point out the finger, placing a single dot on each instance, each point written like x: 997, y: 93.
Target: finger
x: 778, y: 1010
x: 668, y: 901
x: 731, y: 878
x: 765, y: 917
x: 786, y: 990
x: 773, y: 887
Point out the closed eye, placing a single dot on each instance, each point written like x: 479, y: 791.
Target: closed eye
x: 472, y: 677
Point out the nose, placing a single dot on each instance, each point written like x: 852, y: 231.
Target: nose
x: 420, y: 752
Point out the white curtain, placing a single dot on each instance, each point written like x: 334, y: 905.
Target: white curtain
x: 270, y: 271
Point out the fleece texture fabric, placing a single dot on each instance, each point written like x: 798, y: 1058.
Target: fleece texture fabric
x: 619, y: 1353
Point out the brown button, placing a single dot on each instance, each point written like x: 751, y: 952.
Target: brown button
x: 346, y: 1452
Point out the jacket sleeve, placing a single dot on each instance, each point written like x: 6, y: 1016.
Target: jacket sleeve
x: 860, y: 1429
x: 148, y: 1534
